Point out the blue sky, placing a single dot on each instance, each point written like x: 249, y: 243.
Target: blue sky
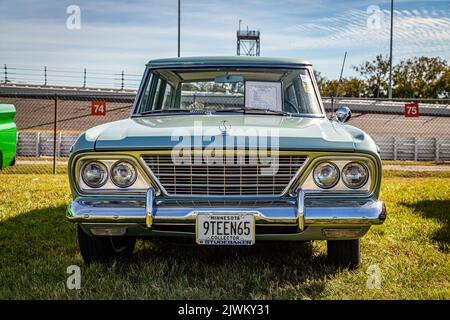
x: 118, y: 35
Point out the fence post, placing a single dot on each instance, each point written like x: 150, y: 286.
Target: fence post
x: 38, y: 144
x: 59, y: 144
x: 415, y: 149
x: 45, y: 76
x: 332, y: 108
x: 84, y: 79
x: 6, y: 73
x: 395, y: 148
x: 122, y: 82
x: 55, y: 119
x: 436, y: 148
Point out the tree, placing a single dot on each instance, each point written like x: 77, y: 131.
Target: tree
x: 444, y: 83
x: 376, y: 74
x: 417, y: 77
x: 421, y: 77
x: 321, y: 80
x: 352, y: 87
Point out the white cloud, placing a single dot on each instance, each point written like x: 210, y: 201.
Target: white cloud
x: 116, y: 35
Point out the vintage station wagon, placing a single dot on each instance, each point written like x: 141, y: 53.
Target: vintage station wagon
x: 226, y: 151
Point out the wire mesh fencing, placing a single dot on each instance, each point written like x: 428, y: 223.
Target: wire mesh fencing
x: 48, y: 124
x: 403, y: 129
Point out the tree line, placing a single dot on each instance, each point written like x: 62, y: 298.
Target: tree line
x: 416, y: 77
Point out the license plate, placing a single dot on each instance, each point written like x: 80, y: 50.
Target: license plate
x: 236, y: 229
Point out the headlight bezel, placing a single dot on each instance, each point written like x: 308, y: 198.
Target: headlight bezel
x: 306, y: 182
x: 79, y: 187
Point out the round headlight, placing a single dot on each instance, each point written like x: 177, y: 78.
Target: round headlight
x: 326, y: 175
x: 123, y: 174
x: 94, y: 174
x: 355, y: 175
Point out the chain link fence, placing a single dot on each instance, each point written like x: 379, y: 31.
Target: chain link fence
x: 48, y: 124
x: 398, y: 131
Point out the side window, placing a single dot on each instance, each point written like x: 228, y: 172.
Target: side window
x: 305, y: 95
x: 168, y: 97
x: 156, y: 103
x: 158, y: 94
x: 163, y: 95
x: 291, y: 98
x: 143, y: 105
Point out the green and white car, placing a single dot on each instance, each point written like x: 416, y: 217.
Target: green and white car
x: 226, y: 151
x: 8, y: 135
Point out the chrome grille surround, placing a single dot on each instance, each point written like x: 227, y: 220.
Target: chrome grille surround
x: 238, y: 177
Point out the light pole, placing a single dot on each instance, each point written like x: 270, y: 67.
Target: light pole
x: 390, y: 54
x: 178, y: 28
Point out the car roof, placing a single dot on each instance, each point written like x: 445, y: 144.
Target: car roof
x: 237, y: 61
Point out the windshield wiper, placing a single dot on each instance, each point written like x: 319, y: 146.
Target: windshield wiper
x: 171, y: 111
x: 253, y: 111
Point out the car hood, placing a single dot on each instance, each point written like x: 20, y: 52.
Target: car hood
x: 169, y: 131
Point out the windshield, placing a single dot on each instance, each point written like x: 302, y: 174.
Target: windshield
x: 229, y: 90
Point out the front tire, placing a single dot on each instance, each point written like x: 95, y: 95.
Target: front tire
x: 344, y: 253
x: 95, y: 248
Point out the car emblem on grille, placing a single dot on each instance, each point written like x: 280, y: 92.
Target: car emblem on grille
x: 224, y: 127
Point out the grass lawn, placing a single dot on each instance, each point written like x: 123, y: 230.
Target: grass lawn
x: 411, y: 250
x: 416, y: 163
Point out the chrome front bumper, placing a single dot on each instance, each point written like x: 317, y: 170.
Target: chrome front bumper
x: 301, y: 212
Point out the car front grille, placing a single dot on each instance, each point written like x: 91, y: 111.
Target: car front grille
x: 239, y: 175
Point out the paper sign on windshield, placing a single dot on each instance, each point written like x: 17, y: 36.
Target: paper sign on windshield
x: 263, y: 95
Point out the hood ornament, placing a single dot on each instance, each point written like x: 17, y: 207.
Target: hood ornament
x: 225, y: 126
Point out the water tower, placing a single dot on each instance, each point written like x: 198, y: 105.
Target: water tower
x: 247, y: 42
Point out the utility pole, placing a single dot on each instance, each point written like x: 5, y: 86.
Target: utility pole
x: 390, y: 54
x: 84, y: 79
x: 178, y: 28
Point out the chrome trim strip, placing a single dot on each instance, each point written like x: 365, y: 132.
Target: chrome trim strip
x: 149, y: 208
x: 301, y: 210
x: 367, y: 214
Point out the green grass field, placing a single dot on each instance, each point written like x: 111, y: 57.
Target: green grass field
x: 411, y: 250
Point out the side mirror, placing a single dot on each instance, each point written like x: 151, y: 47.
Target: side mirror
x: 343, y: 114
